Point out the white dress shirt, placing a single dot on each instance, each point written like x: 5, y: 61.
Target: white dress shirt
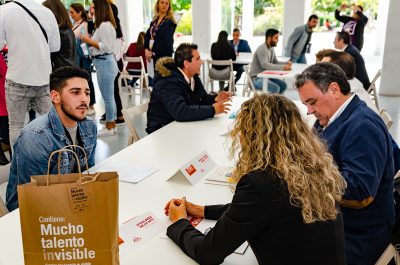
x: 340, y: 110
x: 28, y: 52
x: 106, y: 36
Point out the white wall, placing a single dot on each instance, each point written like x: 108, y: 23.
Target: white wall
x: 391, y: 54
x: 293, y: 17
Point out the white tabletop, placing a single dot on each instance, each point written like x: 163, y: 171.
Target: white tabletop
x: 168, y: 149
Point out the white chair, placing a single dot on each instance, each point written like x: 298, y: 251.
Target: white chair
x: 372, y: 88
x: 230, y: 80
x: 389, y: 254
x: 248, y: 85
x: 386, y: 118
x: 129, y: 116
x: 4, y: 173
x: 125, y: 77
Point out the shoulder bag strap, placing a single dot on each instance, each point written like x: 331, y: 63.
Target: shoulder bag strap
x: 34, y: 18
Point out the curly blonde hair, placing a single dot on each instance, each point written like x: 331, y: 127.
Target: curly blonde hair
x: 270, y: 135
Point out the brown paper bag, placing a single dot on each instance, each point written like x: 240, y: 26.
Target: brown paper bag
x: 70, y: 218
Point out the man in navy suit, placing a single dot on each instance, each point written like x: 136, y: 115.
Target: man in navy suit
x: 342, y: 42
x: 361, y: 146
x: 239, y: 46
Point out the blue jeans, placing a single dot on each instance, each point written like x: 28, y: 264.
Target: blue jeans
x: 300, y: 59
x: 275, y: 86
x: 107, y: 70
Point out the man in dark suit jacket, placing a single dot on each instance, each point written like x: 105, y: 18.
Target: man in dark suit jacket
x: 239, y: 46
x: 178, y: 94
x: 342, y: 42
x: 361, y: 146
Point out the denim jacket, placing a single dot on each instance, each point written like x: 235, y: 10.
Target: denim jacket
x: 35, y: 144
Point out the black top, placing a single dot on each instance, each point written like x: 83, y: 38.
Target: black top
x: 261, y: 213
x: 354, y: 27
x: 222, y: 52
x: 115, y: 14
x: 66, y: 56
x: 361, y: 72
x: 163, y: 45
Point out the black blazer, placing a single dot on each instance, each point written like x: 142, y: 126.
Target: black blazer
x: 261, y: 213
x: 164, y: 41
x: 361, y: 71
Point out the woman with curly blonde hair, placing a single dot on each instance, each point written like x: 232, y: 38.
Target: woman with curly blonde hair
x: 286, y: 199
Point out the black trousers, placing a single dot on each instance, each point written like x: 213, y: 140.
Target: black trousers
x: 117, y: 98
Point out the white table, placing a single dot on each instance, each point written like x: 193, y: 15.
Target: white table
x: 288, y: 75
x: 167, y: 149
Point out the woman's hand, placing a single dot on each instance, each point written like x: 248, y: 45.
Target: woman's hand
x: 86, y: 39
x: 191, y: 209
x: 148, y: 54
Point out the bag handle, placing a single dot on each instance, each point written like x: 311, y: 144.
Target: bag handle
x: 59, y: 152
x: 74, y: 146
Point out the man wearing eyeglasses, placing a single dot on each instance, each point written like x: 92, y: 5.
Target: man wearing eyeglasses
x: 360, y: 144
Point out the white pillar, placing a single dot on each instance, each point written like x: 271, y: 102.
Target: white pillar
x: 206, y: 23
x: 247, y: 19
x: 383, y: 10
x: 294, y: 16
x: 391, y: 54
x: 130, y: 13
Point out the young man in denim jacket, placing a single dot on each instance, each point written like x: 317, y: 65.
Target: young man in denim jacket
x: 65, y: 124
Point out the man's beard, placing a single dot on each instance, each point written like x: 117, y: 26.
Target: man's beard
x: 70, y: 115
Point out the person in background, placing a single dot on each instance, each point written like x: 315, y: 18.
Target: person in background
x: 239, y: 45
x: 353, y: 25
x: 103, y: 43
x: 299, y: 41
x: 120, y: 43
x: 65, y: 124
x: 179, y: 95
x: 320, y: 54
x: 264, y: 59
x: 346, y: 62
x: 342, y: 43
x: 136, y: 49
x: 159, y: 39
x: 222, y: 50
x: 280, y: 199
x: 328, y: 24
x: 29, y: 63
x: 362, y: 148
x: 66, y: 56
x: 4, y: 134
x: 83, y: 60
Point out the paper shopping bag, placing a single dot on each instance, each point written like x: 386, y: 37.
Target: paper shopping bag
x: 70, y: 219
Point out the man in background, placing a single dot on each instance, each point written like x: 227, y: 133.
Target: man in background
x: 299, y: 41
x: 239, y: 45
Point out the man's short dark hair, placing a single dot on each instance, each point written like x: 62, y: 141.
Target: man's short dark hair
x: 271, y: 33
x: 361, y: 8
x: 184, y: 53
x: 236, y: 30
x: 343, y: 35
x: 58, y: 78
x: 345, y: 61
x: 313, y: 16
x: 322, y: 75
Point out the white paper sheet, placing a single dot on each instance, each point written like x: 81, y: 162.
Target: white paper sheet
x: 128, y: 172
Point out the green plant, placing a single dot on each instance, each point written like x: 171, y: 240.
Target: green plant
x: 185, y: 23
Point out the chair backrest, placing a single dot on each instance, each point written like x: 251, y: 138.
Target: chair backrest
x: 389, y: 254
x: 4, y: 173
x: 248, y: 86
x: 125, y: 76
x: 386, y: 118
x: 372, y: 88
x: 229, y: 63
x: 129, y: 116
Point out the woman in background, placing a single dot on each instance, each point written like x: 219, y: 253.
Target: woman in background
x: 222, y: 50
x: 80, y: 25
x: 159, y: 39
x: 136, y: 49
x: 286, y: 199
x: 103, y: 43
x: 66, y: 56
